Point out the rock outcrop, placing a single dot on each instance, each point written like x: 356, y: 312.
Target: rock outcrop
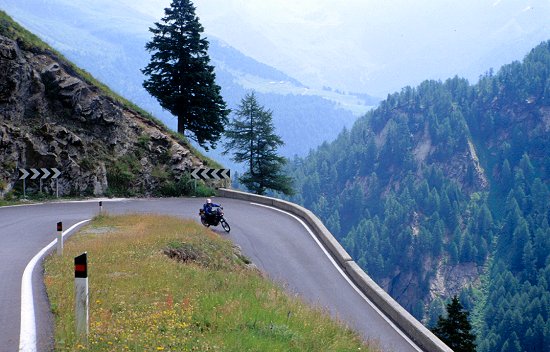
x: 50, y: 116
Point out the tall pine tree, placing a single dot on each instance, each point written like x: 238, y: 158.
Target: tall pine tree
x: 251, y: 135
x: 455, y: 329
x: 180, y: 76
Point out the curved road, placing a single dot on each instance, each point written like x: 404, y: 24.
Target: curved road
x: 277, y: 242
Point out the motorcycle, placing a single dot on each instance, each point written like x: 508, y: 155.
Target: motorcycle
x: 214, y: 219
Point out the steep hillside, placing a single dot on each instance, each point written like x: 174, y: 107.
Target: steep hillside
x: 115, y: 37
x: 53, y: 116
x: 426, y: 188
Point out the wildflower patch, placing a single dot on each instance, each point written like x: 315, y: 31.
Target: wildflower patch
x: 141, y: 300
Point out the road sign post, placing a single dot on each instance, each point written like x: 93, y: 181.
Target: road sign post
x: 24, y: 175
x: 81, y: 296
x: 40, y: 174
x: 55, y: 176
x: 211, y: 174
x: 60, y: 238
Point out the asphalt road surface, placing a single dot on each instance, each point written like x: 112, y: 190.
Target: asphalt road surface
x: 278, y: 243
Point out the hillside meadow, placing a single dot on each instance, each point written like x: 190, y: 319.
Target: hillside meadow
x: 166, y: 284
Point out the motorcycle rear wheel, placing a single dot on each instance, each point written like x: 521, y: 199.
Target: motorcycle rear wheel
x: 204, y: 222
x: 225, y: 225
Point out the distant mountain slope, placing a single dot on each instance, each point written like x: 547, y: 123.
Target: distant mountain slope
x: 109, y: 43
x: 379, y: 46
x: 53, y: 116
x: 443, y: 190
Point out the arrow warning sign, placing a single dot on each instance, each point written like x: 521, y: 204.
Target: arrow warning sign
x: 56, y: 172
x: 39, y: 173
x: 24, y: 174
x: 45, y: 173
x: 211, y: 174
x: 35, y: 173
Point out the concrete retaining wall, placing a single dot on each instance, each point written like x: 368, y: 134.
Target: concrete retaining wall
x: 406, y: 322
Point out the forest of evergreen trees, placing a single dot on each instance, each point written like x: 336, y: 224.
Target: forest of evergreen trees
x: 449, y: 174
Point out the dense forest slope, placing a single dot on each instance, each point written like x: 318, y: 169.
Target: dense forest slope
x: 443, y: 190
x: 53, y: 116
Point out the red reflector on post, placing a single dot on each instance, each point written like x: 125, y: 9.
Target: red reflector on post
x: 81, y: 265
x: 60, y: 226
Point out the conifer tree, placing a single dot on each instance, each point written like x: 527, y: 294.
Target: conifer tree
x: 251, y: 135
x: 455, y: 329
x: 180, y: 76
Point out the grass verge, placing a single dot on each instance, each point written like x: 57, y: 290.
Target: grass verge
x: 164, y: 284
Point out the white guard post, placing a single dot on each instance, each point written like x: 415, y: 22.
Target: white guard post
x: 60, y: 238
x: 81, y: 296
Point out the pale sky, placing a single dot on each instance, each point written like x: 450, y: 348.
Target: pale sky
x: 374, y: 46
x: 367, y: 46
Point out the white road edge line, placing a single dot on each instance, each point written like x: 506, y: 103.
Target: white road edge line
x: 27, y: 335
x: 391, y: 323
x: 95, y: 200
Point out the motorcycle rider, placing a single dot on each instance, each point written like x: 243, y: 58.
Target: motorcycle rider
x: 208, y: 209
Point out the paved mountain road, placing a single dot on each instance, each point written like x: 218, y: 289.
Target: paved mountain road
x: 276, y: 242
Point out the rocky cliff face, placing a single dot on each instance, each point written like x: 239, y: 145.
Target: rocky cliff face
x: 51, y: 117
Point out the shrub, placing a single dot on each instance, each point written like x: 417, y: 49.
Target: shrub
x: 121, y: 175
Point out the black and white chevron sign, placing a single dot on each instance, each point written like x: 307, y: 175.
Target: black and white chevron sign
x: 211, y: 174
x: 39, y: 173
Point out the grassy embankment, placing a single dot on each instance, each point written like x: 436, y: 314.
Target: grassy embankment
x: 29, y: 41
x: 142, y: 300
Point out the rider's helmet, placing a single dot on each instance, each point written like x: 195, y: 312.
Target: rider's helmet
x: 208, y: 201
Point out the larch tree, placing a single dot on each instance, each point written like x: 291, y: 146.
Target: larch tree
x: 181, y: 78
x: 251, y: 136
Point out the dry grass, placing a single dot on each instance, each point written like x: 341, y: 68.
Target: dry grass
x: 142, y: 300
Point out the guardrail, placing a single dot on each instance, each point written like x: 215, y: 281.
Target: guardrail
x: 403, y: 319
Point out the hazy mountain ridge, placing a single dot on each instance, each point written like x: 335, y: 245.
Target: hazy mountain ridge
x: 423, y: 190
x: 112, y: 49
x: 52, y: 116
x: 379, y: 47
